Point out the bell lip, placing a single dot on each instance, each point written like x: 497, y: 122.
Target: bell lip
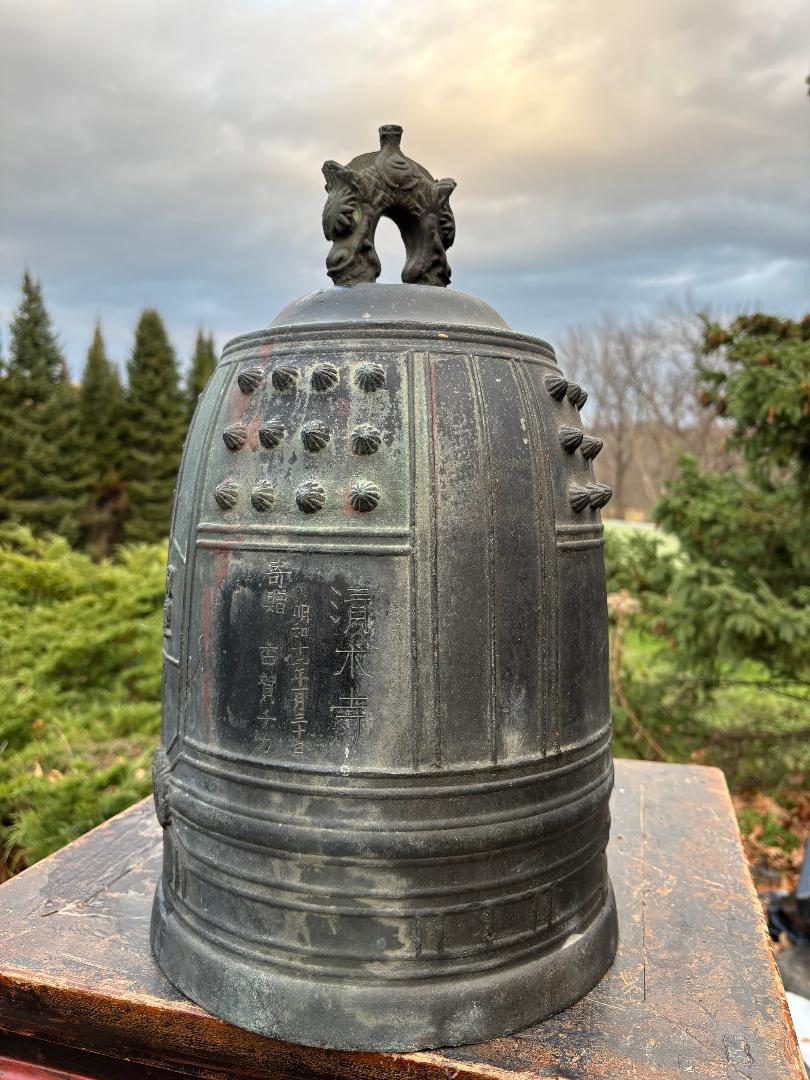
x: 441, y: 1012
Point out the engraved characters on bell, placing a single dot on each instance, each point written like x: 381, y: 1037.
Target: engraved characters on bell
x: 277, y: 579
x: 268, y: 660
x: 300, y: 668
x: 353, y: 612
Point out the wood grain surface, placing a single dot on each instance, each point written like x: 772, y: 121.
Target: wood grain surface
x: 693, y: 992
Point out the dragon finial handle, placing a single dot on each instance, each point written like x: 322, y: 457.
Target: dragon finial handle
x: 385, y: 183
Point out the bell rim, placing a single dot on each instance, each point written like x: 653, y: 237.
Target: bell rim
x: 423, y: 1015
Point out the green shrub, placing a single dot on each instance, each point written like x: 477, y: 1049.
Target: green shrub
x: 639, y: 561
x: 80, y: 660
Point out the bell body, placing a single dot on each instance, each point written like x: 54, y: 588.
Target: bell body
x: 385, y: 760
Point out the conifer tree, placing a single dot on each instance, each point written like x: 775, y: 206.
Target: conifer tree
x: 41, y: 467
x: 7, y: 416
x: 203, y: 363
x: 745, y: 595
x: 101, y: 408
x: 35, y: 357
x: 154, y: 427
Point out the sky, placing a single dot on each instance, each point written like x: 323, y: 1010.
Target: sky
x: 609, y: 156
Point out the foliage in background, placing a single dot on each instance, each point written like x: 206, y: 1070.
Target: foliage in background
x: 710, y: 636
x: 743, y: 720
x: 80, y: 660
x: 101, y: 410
x: 42, y: 473
x: 153, y: 431
x: 203, y: 362
x: 757, y: 372
x: 96, y: 462
x: 746, y: 596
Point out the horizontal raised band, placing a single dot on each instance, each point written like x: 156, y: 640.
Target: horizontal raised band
x: 343, y: 337
x: 298, y: 778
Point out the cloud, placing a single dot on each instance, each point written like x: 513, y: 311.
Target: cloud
x: 169, y: 154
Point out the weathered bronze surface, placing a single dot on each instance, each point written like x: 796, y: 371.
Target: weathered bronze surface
x: 385, y: 761
x: 385, y: 183
x: 693, y: 991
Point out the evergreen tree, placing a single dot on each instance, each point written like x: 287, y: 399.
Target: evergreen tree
x: 203, y: 363
x: 101, y: 408
x: 8, y: 416
x: 154, y: 427
x: 729, y: 603
x: 746, y: 593
x: 41, y: 463
x: 35, y: 357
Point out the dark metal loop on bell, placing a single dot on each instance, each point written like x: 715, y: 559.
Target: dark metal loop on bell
x: 385, y: 759
x: 386, y: 183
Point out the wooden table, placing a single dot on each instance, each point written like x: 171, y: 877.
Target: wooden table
x: 693, y: 992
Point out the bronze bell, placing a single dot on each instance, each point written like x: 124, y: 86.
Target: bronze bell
x: 385, y: 760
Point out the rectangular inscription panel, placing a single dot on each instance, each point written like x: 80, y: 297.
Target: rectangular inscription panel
x: 303, y: 658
